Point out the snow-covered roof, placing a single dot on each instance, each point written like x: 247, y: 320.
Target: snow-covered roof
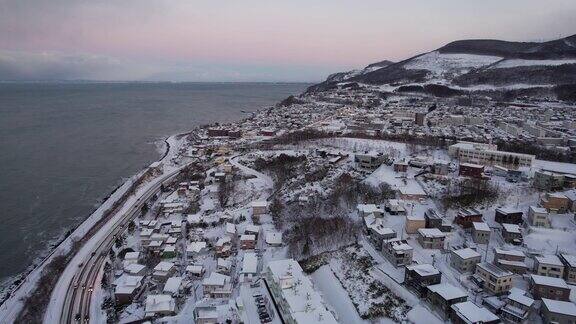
x: 304, y: 303
x: 538, y: 210
x: 249, y: 263
x: 447, y: 291
x: 131, y: 256
x: 549, y: 259
x: 549, y: 281
x: 431, y: 232
x: 259, y: 203
x: 519, y: 296
x: 164, y: 266
x: 508, y: 210
x: 570, y: 259
x: 474, y: 314
x: 517, y: 253
x: 481, y: 226
x: 195, y: 268
x: 230, y: 228
x: 196, y: 247
x: 466, y: 253
x: 223, y: 263
x: 247, y: 237
x: 172, y: 285
x: 126, y: 284
x: 511, y: 228
x: 493, y: 269
x: 223, y: 240
x: 273, y: 238
x: 216, y: 279
x: 424, y: 269
x: 560, y: 307
x: 134, y: 268
x: 160, y: 303
x: 252, y: 228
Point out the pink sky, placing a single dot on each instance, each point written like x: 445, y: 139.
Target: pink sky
x: 310, y: 38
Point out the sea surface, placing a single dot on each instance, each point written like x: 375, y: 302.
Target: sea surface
x: 65, y: 146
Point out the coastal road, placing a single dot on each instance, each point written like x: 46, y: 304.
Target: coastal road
x: 76, y: 306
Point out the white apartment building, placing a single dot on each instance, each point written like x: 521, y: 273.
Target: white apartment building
x: 488, y: 154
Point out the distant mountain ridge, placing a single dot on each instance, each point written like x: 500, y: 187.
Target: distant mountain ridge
x: 473, y: 65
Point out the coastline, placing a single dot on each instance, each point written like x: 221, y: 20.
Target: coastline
x: 13, y: 283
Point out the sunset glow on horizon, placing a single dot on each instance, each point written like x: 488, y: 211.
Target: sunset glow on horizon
x: 249, y: 40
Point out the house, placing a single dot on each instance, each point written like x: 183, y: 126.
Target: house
x: 195, y: 270
x: 538, y: 216
x: 131, y: 258
x: 223, y: 247
x: 379, y: 233
x: 173, y: 286
x: 549, y: 287
x: 548, y: 180
x: 569, y: 262
x: 517, y: 307
x: 294, y: 294
x: 370, y: 161
x: 365, y: 210
x: 548, y: 265
x: 169, y: 252
x: 441, y: 167
x: 135, y: 269
x: 126, y: 287
x: 397, y: 251
x: 494, y: 279
x: 431, y: 238
x: 433, y: 218
x: 443, y: 295
x: 196, y: 247
x: 471, y: 170
x: 249, y: 267
x: 508, y: 216
x: 160, y: 305
x: 555, y: 203
x: 273, y: 238
x: 511, y: 233
x: 163, y: 270
x: 395, y: 207
x: 468, y: 313
x: 231, y: 230
x: 223, y: 266
x: 414, y: 223
x: 480, y: 233
x: 259, y: 208
x: 206, y: 315
x: 511, y: 260
x: 400, y: 166
x: 420, y: 276
x: 217, y: 285
x: 252, y: 230
x: 247, y: 242
x: 558, y: 312
x: 464, y: 260
x: 467, y: 216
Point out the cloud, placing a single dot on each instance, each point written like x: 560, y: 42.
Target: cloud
x: 19, y: 66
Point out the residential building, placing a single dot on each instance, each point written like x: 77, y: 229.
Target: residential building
x: 443, y: 295
x: 508, y: 216
x: 414, y: 223
x: 294, y: 294
x: 464, y: 260
x: 126, y: 287
x: 467, y: 216
x: 569, y: 262
x: 518, y: 307
x: 480, y: 232
x: 159, y: 305
x: 511, y: 234
x: 420, y: 276
x: 247, y: 242
x: 471, y: 170
x: 555, y: 203
x: 163, y: 270
x: 511, y: 260
x: 468, y: 313
x: 548, y: 265
x: 538, y: 216
x: 397, y: 251
x: 370, y: 161
x: 431, y: 238
x: 205, y: 315
x: 558, y: 312
x: 548, y: 180
x: 488, y: 154
x: 217, y: 285
x: 549, y: 287
x: 494, y: 279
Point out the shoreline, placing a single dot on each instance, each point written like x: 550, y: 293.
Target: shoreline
x: 14, y: 282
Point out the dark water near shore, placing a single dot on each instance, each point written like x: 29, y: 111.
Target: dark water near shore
x: 63, y: 147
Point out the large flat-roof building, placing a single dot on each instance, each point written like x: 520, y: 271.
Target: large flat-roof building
x: 488, y: 154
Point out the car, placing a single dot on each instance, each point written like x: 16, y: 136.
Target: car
x: 91, y: 289
x: 80, y: 264
x: 83, y: 286
x: 77, y: 317
x: 94, y: 253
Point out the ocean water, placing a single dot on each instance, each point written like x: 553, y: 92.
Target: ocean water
x: 66, y: 146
